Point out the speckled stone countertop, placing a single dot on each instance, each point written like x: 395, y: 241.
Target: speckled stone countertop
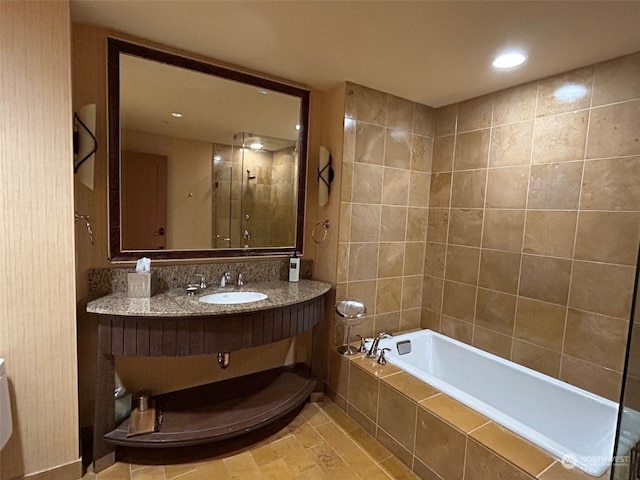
x: 176, y: 303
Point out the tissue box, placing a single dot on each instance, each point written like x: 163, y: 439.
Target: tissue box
x: 142, y: 285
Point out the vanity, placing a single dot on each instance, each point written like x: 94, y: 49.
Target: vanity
x: 173, y: 324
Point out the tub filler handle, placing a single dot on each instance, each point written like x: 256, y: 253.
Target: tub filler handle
x: 382, y: 359
x: 373, y: 351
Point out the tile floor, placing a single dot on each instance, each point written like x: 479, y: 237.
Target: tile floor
x: 321, y: 442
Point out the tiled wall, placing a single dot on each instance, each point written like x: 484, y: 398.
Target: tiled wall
x: 383, y: 209
x: 534, y: 218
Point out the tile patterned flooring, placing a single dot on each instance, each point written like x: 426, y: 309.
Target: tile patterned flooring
x: 320, y: 443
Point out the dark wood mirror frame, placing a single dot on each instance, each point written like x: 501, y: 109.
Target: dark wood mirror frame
x: 116, y: 253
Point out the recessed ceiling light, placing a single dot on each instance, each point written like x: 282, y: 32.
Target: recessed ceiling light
x: 176, y: 114
x: 298, y: 127
x: 256, y: 146
x: 509, y: 60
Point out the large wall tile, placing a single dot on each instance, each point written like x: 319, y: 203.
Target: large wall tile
x: 507, y: 187
x: 472, y: 150
x: 395, y: 185
x: 371, y: 105
x: 503, y: 230
x: 611, y: 237
x: 434, y: 259
x: 442, y: 154
x: 397, y: 150
x: 465, y: 226
x: 462, y: 264
x: 423, y: 120
x: 499, y: 271
x: 560, y: 138
x: 515, y: 105
x: 393, y: 224
x: 496, y: 311
x: 445, y: 119
x: 614, y: 130
x: 545, y: 278
x: 602, y: 288
x: 399, y: 113
x: 397, y: 416
x: 565, y: 93
x: 555, y: 186
x: 363, y: 391
x: 540, y: 323
x: 475, y: 114
x: 482, y: 464
x: 468, y: 189
x: 611, y: 184
x: 492, y: 342
x: 459, y: 300
x: 440, y: 190
x: 365, y: 223
x: 596, y: 379
x: 414, y: 258
x: 537, y: 358
x: 511, y: 145
x: 391, y: 262
x: 369, y: 143
x: 617, y: 80
x: 367, y: 181
x: 421, y: 153
x: 550, y: 233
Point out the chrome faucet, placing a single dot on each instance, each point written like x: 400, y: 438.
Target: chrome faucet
x: 373, y: 351
x: 226, y: 277
x: 240, y: 280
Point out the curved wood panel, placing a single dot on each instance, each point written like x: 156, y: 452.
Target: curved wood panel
x: 184, y: 336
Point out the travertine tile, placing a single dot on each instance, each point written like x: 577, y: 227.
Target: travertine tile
x: 482, y: 464
x: 459, y: 300
x: 468, y: 189
x: 442, y: 154
x: 596, y: 379
x: 395, y: 186
x: 277, y: 470
x: 365, y: 223
x: 414, y: 258
x: 560, y: 138
x: 445, y: 119
x: 363, y: 391
x: 397, y: 470
x: 369, y: 143
x: 367, y: 443
x: 602, y: 288
x: 391, y: 263
x: 416, y: 224
x: 423, y: 120
x: 458, y: 329
x: 472, y: 150
x: 411, y: 292
x: 338, y: 439
x: 410, y: 386
x: 419, y: 189
x: 503, y: 230
x: 330, y: 462
x: 438, y: 225
x: 440, y: 190
x: 611, y: 184
x: 507, y: 187
x: 432, y: 293
x: 511, y: 145
x: 550, y: 233
x: 388, y: 295
x: 440, y: 446
x: 421, y: 153
x: 400, y: 453
x: 400, y: 113
x: 393, y: 224
x: 367, y: 183
x: 496, y: 311
x: 555, y: 186
x: 243, y: 466
x: 492, y: 342
x: 613, y: 130
x: 397, y: 416
x: 454, y: 412
x: 611, y: 333
x: 397, y: 150
x: 610, y: 237
x: 360, y: 265
x: 545, y: 278
x: 513, y: 448
x: 540, y: 323
x: 499, y: 271
x: 617, y: 80
x: 465, y: 227
x: 387, y: 322
x: 462, y: 264
x: 514, y: 105
x: 475, y: 113
x: 537, y: 358
x: 565, y: 93
x: 371, y: 105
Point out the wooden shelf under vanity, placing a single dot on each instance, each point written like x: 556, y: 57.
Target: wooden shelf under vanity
x: 172, y: 325
x: 222, y: 410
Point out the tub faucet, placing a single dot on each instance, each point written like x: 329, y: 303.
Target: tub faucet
x: 202, y: 283
x: 373, y: 351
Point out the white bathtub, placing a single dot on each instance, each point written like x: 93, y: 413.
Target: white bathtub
x: 568, y: 422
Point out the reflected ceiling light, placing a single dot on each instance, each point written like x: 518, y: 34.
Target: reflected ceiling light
x: 262, y: 92
x: 176, y: 114
x: 298, y: 127
x: 256, y: 146
x: 509, y: 59
x: 217, y: 158
x: 570, y: 92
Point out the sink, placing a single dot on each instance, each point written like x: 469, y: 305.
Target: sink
x: 228, y: 298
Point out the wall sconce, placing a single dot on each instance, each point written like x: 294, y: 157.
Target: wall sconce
x: 325, y: 176
x: 85, y: 144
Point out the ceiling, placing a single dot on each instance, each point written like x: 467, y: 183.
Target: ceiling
x: 431, y: 52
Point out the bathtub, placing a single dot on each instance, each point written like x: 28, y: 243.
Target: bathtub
x: 570, y: 423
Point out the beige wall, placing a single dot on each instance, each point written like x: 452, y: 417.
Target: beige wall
x: 189, y: 182
x: 383, y: 211
x: 37, y: 288
x: 534, y: 222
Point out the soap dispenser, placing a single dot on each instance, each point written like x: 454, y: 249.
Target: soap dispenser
x: 294, y: 268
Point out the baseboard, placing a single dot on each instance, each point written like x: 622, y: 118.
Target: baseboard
x: 70, y: 471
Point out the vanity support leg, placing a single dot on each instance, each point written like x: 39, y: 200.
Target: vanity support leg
x: 104, y: 412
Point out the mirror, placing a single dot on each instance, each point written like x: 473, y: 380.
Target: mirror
x: 204, y: 161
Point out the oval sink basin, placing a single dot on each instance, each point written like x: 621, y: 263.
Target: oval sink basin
x: 229, y: 298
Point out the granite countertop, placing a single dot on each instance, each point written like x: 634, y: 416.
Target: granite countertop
x: 176, y: 303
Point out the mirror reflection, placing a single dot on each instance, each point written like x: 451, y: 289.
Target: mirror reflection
x: 209, y: 161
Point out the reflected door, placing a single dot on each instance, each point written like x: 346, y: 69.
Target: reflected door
x: 143, y: 184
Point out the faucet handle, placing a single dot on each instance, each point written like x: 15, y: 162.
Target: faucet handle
x: 240, y: 279
x: 382, y: 360
x: 226, y: 277
x: 203, y: 283
x: 384, y: 335
x: 363, y: 346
